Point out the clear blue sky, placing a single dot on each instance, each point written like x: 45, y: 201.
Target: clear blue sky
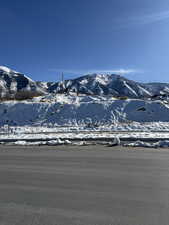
x: 43, y: 38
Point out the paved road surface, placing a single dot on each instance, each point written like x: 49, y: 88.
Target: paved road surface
x: 83, y: 185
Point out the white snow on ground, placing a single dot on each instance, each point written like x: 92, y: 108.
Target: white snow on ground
x: 159, y: 144
x: 81, y: 111
x: 50, y: 143
x: 86, y: 135
x: 71, y: 138
x: 52, y: 118
x: 54, y: 128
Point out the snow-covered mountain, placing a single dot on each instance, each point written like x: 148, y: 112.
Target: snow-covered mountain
x: 106, y: 84
x: 15, y: 85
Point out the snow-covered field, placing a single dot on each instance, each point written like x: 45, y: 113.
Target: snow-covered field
x: 83, y: 111
x: 128, y: 138
x: 27, y: 135
x: 61, y: 119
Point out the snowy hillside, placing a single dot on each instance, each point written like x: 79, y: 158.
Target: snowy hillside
x: 82, y: 111
x: 14, y: 85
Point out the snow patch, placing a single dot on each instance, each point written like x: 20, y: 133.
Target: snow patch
x: 5, y: 69
x: 159, y: 144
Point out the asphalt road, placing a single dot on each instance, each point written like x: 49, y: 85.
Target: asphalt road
x: 93, y: 185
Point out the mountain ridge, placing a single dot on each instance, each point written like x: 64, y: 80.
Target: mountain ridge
x: 16, y: 85
x: 109, y: 84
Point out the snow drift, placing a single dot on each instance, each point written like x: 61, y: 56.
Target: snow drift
x: 83, y: 111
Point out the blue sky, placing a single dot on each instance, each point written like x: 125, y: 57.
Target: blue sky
x: 43, y: 38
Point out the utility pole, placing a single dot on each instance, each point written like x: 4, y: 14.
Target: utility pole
x: 62, y: 77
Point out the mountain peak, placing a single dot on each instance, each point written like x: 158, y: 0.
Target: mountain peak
x: 103, y: 78
x: 103, y: 75
x: 6, y: 69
